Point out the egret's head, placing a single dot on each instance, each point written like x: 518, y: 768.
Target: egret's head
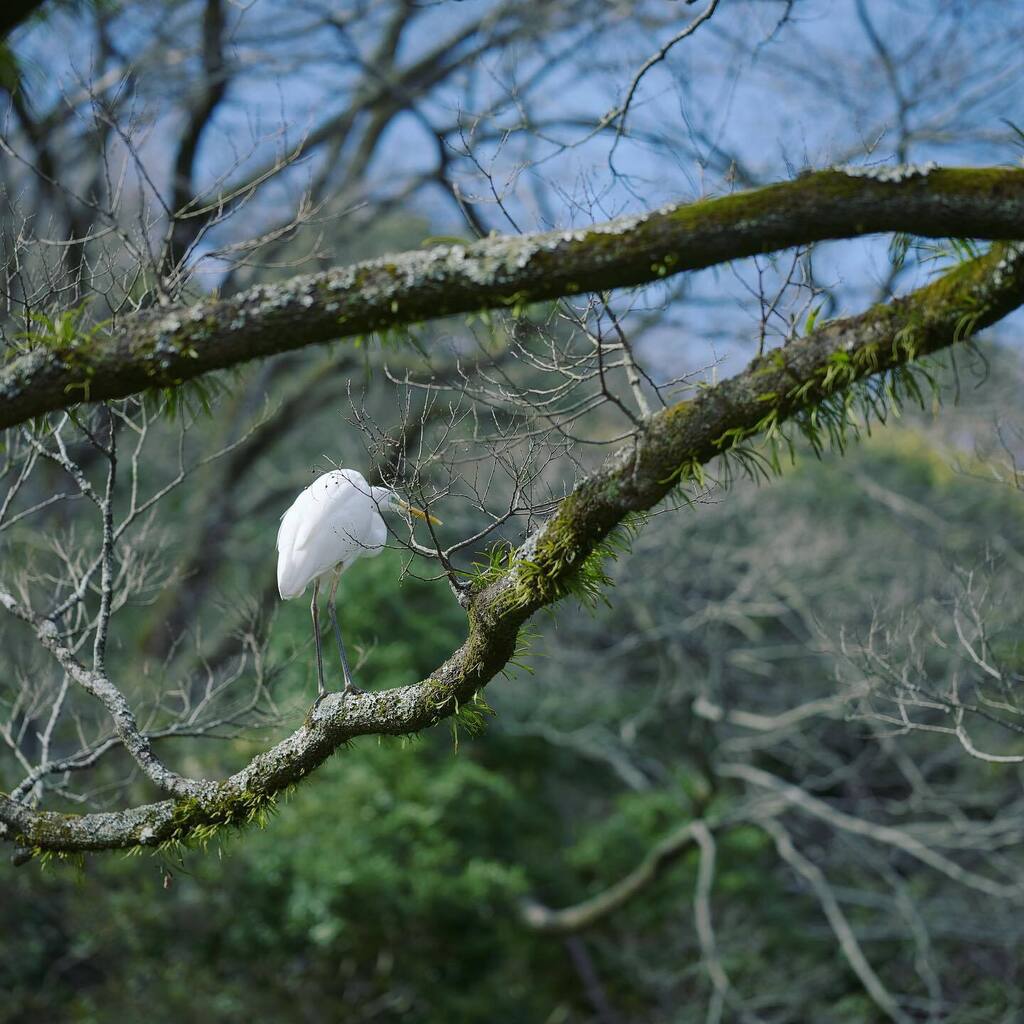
x: 401, y: 505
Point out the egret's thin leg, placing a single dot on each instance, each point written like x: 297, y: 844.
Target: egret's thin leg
x: 322, y: 689
x: 332, y: 608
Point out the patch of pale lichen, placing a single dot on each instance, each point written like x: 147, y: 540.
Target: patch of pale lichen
x: 51, y: 831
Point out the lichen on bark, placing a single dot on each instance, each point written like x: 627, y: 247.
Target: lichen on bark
x: 168, y: 346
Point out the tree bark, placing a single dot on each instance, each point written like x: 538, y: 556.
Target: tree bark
x: 164, y: 347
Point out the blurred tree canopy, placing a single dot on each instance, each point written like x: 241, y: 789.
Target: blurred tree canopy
x: 697, y: 325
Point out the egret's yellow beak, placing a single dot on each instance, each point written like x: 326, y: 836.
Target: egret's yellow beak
x: 418, y: 513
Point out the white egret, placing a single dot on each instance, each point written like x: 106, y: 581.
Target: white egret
x: 334, y: 521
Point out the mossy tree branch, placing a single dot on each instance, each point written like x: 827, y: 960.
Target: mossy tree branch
x: 803, y: 380
x: 168, y: 346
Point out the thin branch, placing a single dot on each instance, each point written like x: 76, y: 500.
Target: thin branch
x: 844, y: 934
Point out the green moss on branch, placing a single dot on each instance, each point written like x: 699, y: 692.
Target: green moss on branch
x: 166, y: 347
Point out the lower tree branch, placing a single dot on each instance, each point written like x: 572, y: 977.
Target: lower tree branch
x: 823, y: 372
x: 98, y: 685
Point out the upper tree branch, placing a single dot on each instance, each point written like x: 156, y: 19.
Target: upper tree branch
x: 673, y: 443
x: 164, y: 347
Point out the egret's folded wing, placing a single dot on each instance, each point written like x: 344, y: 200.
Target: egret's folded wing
x: 298, y: 557
x: 332, y: 522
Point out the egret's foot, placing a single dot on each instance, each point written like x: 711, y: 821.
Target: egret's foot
x: 311, y: 713
x: 351, y: 687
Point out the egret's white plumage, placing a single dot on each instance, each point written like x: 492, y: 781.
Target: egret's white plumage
x: 334, y: 521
